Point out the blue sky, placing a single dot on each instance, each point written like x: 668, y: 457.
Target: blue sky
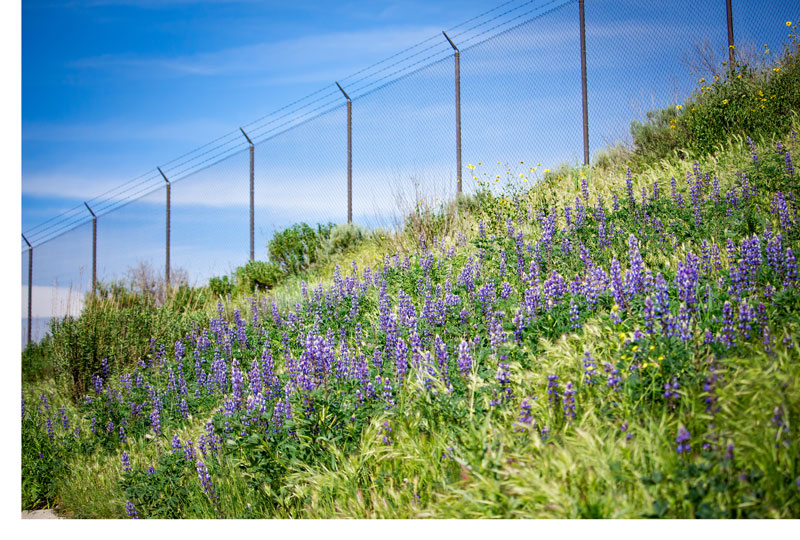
x: 112, y: 88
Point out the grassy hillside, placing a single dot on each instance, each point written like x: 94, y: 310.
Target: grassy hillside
x: 605, y: 342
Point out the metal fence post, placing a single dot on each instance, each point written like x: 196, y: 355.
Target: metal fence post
x: 94, y: 249
x: 583, y: 86
x: 168, y: 224
x: 252, y: 197
x: 30, y: 285
x: 731, y: 56
x: 349, y: 155
x: 457, y: 56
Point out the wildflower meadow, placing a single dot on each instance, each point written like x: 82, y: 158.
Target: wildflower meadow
x: 619, y: 340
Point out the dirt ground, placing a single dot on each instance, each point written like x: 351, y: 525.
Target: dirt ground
x: 40, y: 514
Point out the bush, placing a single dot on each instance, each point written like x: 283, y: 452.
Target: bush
x: 655, y: 138
x: 220, y: 286
x: 263, y: 275
x: 344, y: 238
x: 294, y: 249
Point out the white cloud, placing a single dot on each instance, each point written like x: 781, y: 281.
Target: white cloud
x: 286, y: 58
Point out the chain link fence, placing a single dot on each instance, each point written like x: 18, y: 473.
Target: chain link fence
x: 521, y: 107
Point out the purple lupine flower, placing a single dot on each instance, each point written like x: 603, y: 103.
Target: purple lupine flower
x: 64, y: 418
x: 497, y: 335
x: 613, y: 379
x: 789, y: 165
x: 589, y: 368
x: 387, y: 394
x: 123, y: 438
x: 746, y: 316
x: 206, y: 483
x: 525, y: 417
x: 503, y: 377
x: 155, y: 420
x: 131, y: 510
x: 634, y: 277
x: 671, y: 394
x: 440, y: 349
x: 464, y: 358
x: 655, y: 189
x: 681, y: 439
x: 580, y: 213
x: 506, y: 290
x: 568, y: 401
x: 779, y: 207
x: 585, y: 189
x: 176, y: 444
x: 126, y: 462
x: 553, y: 391
x: 401, y: 359
x: 727, y: 334
x: 50, y: 434
x: 753, y: 153
x: 629, y: 188
x: 676, y: 197
x: 574, y: 315
x: 188, y: 451
x: 151, y: 471
x: 387, y: 433
x: 767, y: 341
x: 789, y: 269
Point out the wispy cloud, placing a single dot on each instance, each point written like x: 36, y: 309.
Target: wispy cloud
x: 286, y: 58
x: 113, y: 130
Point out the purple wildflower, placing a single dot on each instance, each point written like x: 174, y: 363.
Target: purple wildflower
x: 681, y: 439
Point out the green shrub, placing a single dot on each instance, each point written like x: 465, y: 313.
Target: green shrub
x: 656, y: 138
x: 263, y: 275
x: 344, y: 237
x: 296, y: 248
x: 220, y: 286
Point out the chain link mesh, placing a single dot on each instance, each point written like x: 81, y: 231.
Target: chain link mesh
x: 520, y: 110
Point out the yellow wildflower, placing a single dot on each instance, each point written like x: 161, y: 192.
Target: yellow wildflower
x: 679, y: 107
x: 789, y: 23
x: 724, y: 101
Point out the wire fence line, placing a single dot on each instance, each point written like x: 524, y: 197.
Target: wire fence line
x: 517, y: 88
